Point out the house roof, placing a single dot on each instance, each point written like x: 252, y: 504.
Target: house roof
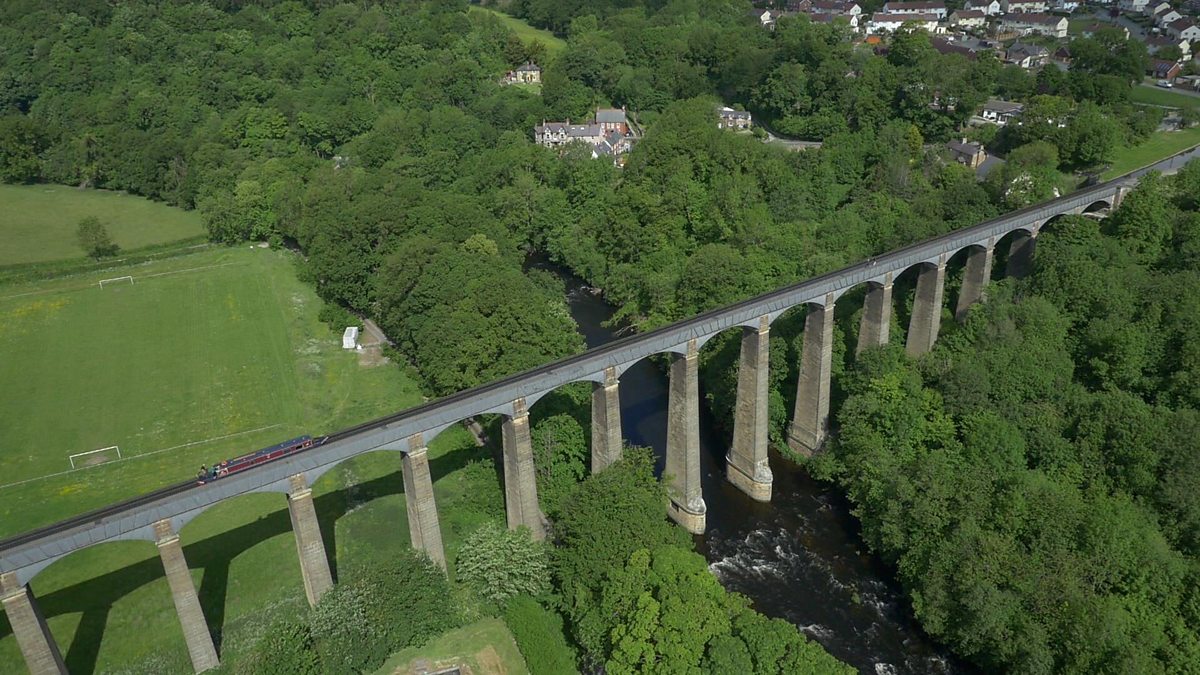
x: 912, y: 7
x: 1033, y: 18
x: 902, y: 17
x: 528, y: 67
x: 964, y: 148
x: 961, y: 14
x: 1003, y: 106
x: 572, y: 130
x: 1181, y: 25
x: 1027, y: 49
x: 726, y: 111
x: 610, y: 116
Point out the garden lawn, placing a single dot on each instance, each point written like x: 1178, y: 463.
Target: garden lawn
x: 38, y: 222
x: 1163, y: 97
x: 526, y: 32
x: 486, y: 646
x: 219, y: 343
x: 1160, y: 145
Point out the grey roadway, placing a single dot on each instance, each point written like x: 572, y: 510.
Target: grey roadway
x: 27, y: 555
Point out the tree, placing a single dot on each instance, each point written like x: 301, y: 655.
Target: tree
x: 93, y: 238
x: 500, y: 563
x: 22, y: 144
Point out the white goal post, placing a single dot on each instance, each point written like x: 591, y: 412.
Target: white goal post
x: 115, y: 279
x: 96, y: 460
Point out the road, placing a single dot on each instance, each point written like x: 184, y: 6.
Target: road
x: 1176, y: 90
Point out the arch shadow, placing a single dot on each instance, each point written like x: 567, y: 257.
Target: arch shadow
x: 94, y: 598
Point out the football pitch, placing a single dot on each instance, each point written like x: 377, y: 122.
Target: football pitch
x: 193, y: 360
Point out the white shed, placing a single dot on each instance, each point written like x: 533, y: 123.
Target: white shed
x: 350, y: 338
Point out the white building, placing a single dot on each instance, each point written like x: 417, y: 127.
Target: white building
x: 989, y: 7
x: 1132, y: 6
x: 968, y: 18
x: 1184, y: 29
x: 1022, y: 6
x: 728, y: 118
x: 1001, y: 112
x: 890, y: 23
x: 1039, y: 24
x: 350, y: 338
x: 937, y: 9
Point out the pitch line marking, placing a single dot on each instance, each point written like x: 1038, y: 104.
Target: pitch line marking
x: 144, y: 454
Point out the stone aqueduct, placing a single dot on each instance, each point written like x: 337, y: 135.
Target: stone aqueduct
x: 159, y: 519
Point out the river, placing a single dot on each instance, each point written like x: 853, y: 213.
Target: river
x: 800, y: 557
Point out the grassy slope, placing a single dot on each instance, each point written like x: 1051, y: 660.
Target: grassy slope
x: 1161, y: 145
x: 526, y: 32
x: 38, y: 222
x: 109, y: 606
x: 463, y: 646
x: 1163, y: 97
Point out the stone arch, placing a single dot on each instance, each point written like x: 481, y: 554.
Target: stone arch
x: 1014, y: 252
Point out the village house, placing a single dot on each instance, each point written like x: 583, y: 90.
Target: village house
x: 1133, y: 6
x: 1034, y: 23
x: 1026, y: 55
x: 765, y: 17
x: 890, y: 23
x: 989, y: 7
x: 1164, y: 16
x: 528, y: 73
x: 968, y: 18
x: 728, y: 118
x: 967, y: 153
x: 1184, y: 29
x: 1153, y: 7
x: 851, y: 19
x: 1156, y: 44
x: 1000, y: 112
x: 1067, y: 6
x: 937, y: 9
x: 1162, y: 69
x: 607, y: 134
x: 1022, y: 6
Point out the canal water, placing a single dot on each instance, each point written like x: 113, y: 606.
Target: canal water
x: 800, y: 557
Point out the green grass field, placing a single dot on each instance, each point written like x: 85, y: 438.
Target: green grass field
x: 1163, y: 97
x: 1159, y: 146
x: 198, y: 347
x: 526, y: 32
x: 38, y: 222
x: 486, y: 646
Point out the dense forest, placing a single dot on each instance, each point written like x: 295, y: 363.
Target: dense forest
x: 1034, y: 479
x: 376, y: 138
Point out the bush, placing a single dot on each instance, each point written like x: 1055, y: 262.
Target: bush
x: 499, y: 564
x: 377, y: 611
x: 285, y: 649
x: 338, y: 317
x: 94, y: 239
x: 539, y: 635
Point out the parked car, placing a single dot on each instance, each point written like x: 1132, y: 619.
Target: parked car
x: 1165, y: 84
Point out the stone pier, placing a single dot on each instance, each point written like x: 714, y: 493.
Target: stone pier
x: 310, y: 545
x: 926, y: 317
x: 747, y: 465
x: 520, y: 480
x: 423, y: 527
x: 607, y: 443
x: 183, y: 593
x: 810, y: 419
x: 976, y: 276
x: 683, y: 441
x: 34, y: 639
x: 1020, y: 254
x: 875, y: 327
